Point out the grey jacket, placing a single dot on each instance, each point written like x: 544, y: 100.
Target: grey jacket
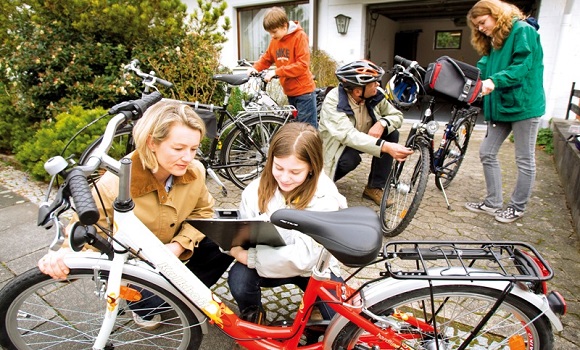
x: 338, y: 130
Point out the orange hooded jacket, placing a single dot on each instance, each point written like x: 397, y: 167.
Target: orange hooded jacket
x: 291, y: 55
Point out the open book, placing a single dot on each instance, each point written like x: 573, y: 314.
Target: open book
x: 228, y: 230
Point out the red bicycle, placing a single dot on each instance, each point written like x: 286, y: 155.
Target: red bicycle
x: 430, y: 295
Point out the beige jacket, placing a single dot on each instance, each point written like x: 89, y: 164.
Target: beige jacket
x: 163, y: 213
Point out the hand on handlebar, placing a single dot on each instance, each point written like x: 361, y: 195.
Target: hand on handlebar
x: 251, y: 71
x: 52, y: 264
x: 398, y: 152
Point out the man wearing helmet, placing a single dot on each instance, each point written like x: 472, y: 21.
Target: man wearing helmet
x: 356, y: 118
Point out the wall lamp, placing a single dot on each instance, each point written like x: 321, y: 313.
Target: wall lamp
x: 342, y: 22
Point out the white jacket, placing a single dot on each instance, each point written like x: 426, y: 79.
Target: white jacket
x: 300, y: 254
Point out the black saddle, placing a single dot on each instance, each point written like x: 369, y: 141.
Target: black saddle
x: 232, y: 79
x: 352, y: 235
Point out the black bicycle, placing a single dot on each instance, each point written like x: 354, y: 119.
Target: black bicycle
x: 407, y: 181
x: 239, y: 142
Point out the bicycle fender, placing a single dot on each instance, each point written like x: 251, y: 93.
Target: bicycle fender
x: 94, y: 260
x: 390, y: 287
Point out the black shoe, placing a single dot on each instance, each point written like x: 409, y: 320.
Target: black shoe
x: 254, y: 314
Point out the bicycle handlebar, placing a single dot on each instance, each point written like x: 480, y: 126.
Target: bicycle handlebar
x: 149, y: 78
x: 409, y: 64
x: 76, y: 184
x: 80, y: 191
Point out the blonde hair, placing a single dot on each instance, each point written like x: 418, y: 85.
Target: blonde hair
x: 503, y: 13
x: 302, y: 141
x: 275, y: 18
x: 157, y: 122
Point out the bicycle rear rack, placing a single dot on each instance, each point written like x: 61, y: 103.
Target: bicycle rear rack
x: 465, y: 260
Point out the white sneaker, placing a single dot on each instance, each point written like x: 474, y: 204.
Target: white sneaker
x: 149, y: 325
x: 510, y: 214
x: 480, y: 207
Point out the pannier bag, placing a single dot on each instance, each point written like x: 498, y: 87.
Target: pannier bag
x: 453, y: 79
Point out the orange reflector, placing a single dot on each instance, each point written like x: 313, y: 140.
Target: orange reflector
x: 516, y: 342
x: 129, y: 294
x: 403, y: 213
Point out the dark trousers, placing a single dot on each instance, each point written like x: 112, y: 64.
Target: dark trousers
x: 208, y: 263
x: 245, y: 284
x: 380, y: 167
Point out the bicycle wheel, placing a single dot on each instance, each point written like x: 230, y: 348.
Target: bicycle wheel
x: 243, y: 159
x: 38, y: 312
x: 404, y: 190
x: 453, y: 153
x: 458, y: 310
x: 122, y: 145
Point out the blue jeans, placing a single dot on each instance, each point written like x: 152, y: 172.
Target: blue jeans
x: 306, y: 106
x: 245, y: 284
x: 525, y: 134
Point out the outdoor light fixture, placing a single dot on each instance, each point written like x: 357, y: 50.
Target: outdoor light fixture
x: 342, y: 22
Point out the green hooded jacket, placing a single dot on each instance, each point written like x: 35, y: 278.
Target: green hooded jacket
x: 517, y: 71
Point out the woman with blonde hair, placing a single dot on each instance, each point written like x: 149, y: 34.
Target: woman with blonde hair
x: 292, y: 178
x: 167, y: 187
x: 513, y: 100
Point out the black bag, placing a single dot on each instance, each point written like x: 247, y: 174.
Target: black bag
x: 453, y: 79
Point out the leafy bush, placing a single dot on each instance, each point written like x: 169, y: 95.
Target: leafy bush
x: 323, y: 67
x: 52, y: 136
x: 545, y: 140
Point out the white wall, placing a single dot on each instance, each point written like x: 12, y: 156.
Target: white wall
x: 560, y: 33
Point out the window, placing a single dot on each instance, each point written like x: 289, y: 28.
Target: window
x: 254, y: 39
x: 447, y: 39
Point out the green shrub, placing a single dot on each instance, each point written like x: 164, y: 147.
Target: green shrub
x: 52, y: 136
x: 323, y: 67
x: 545, y: 140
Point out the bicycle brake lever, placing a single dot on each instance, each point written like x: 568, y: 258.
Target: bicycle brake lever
x: 59, y: 237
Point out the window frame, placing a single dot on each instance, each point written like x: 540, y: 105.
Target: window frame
x: 452, y: 32
x: 304, y: 23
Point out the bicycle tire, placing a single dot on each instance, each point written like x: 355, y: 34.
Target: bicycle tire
x: 404, y: 190
x: 459, y: 309
x: 37, y: 312
x: 242, y: 160
x: 453, y: 153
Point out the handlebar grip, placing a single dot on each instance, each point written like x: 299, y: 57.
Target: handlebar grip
x: 403, y: 61
x: 164, y: 82
x: 145, y: 102
x: 82, y: 197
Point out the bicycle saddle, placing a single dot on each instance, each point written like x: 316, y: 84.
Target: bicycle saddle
x: 232, y: 79
x: 352, y: 235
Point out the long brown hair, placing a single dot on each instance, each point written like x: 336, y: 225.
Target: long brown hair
x: 503, y: 13
x: 302, y: 141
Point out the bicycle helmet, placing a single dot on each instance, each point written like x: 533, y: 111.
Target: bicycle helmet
x: 402, y: 90
x: 359, y: 74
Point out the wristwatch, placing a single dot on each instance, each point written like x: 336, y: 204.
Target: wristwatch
x: 384, y: 122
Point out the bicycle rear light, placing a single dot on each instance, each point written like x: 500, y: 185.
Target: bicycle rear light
x: 557, y: 303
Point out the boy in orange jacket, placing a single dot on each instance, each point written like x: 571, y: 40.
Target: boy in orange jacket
x: 290, y: 52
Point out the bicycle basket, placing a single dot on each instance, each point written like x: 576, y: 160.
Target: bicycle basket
x: 453, y: 79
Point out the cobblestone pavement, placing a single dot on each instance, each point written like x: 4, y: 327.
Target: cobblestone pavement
x: 546, y: 225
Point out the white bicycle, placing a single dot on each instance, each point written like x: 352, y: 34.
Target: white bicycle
x: 431, y: 295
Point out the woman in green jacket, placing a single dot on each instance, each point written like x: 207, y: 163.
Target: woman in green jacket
x: 512, y: 72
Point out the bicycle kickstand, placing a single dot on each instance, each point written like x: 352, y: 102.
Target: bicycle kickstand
x: 444, y: 194
x: 215, y: 177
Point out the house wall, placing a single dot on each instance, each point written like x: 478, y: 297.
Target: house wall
x: 558, y: 32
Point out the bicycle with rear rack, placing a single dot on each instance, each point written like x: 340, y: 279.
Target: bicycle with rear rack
x: 239, y: 143
x: 407, y: 181
x: 428, y: 296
